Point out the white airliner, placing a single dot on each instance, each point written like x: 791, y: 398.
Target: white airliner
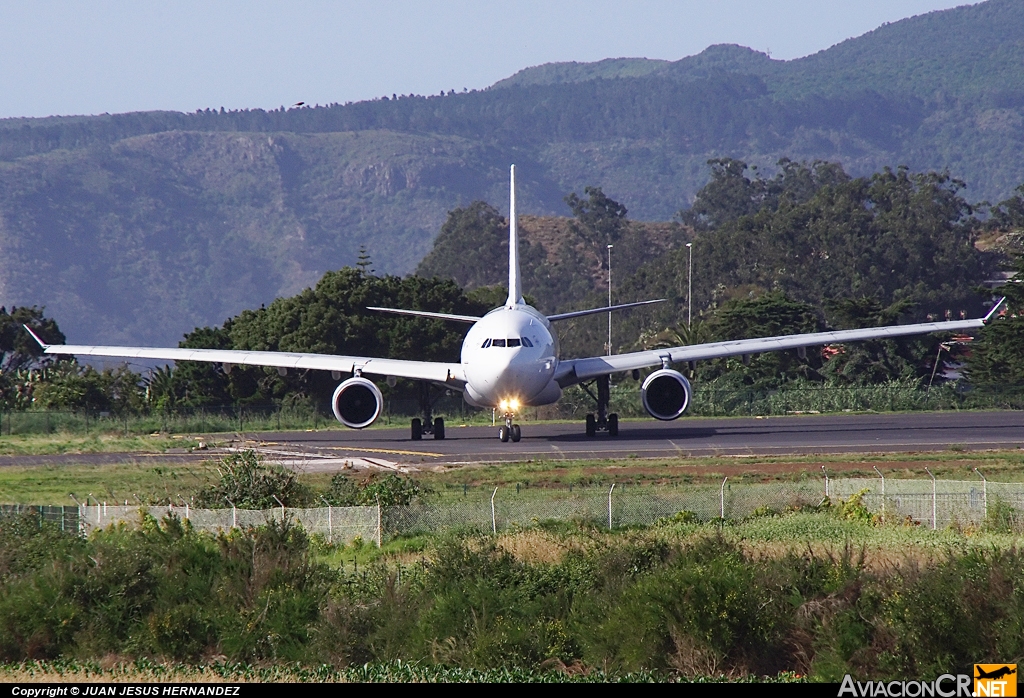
x: 510, y: 361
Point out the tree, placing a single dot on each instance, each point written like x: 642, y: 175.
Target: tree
x: 768, y: 315
x: 598, y: 212
x: 17, y: 348
x: 193, y: 384
x: 997, y: 355
x: 1008, y: 214
x: 729, y: 195
x: 331, y: 318
x: 878, y: 360
x: 472, y: 248
x: 600, y: 220
x: 65, y: 385
x: 896, y: 235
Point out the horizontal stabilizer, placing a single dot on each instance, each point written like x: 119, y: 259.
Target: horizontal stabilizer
x: 607, y: 309
x: 423, y: 313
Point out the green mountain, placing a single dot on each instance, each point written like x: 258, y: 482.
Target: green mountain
x: 139, y: 227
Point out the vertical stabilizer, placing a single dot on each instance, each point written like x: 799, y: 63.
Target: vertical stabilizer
x: 515, y: 288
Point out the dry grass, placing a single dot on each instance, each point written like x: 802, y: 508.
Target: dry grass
x: 540, y: 546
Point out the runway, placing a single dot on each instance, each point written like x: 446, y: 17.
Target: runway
x: 651, y: 439
x: 337, y: 449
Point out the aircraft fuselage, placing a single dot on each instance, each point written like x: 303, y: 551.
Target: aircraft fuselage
x: 509, y: 357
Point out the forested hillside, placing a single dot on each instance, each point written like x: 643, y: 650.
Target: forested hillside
x: 139, y: 227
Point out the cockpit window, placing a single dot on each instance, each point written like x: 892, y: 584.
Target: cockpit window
x: 498, y: 343
x: 487, y: 343
x: 527, y: 342
x: 514, y: 341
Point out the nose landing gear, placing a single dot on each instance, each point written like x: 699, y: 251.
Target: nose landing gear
x: 509, y: 430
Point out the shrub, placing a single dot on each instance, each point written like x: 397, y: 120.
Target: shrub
x: 387, y: 490
x: 250, y: 483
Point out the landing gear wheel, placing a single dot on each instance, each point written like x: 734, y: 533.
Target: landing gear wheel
x: 517, y: 433
x: 613, y: 424
x: 591, y: 426
x: 417, y: 429
x: 503, y: 434
x: 438, y: 429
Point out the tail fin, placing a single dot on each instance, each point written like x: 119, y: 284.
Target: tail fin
x: 515, y: 288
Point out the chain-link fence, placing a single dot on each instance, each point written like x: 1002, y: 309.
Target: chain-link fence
x: 336, y: 524
x: 936, y: 503
x: 932, y: 503
x: 67, y: 518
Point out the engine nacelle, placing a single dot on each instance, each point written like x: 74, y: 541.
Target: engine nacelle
x: 357, y: 402
x: 666, y: 394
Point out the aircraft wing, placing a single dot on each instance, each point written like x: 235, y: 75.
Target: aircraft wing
x: 450, y: 373
x: 606, y: 309
x: 573, y: 371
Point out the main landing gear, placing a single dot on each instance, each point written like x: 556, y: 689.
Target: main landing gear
x: 429, y: 424
x: 603, y: 421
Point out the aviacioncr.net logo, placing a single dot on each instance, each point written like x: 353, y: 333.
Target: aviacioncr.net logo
x: 945, y: 686
x: 995, y: 680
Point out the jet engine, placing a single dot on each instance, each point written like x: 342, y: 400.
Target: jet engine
x: 666, y: 394
x: 357, y: 402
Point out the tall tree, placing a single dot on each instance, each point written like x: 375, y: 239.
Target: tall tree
x: 17, y: 348
x: 332, y: 318
x: 878, y: 360
x: 768, y: 315
x: 996, y: 358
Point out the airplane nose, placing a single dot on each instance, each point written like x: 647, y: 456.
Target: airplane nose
x: 491, y: 373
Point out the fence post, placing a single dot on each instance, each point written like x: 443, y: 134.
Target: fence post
x: 722, y: 496
x: 378, y: 522
x: 984, y: 492
x: 79, y: 512
x: 234, y: 513
x: 823, y: 472
x: 330, y: 524
x: 183, y: 501
x: 933, y: 496
x: 282, y: 507
x: 883, y: 490
x: 610, y: 506
x: 494, y: 519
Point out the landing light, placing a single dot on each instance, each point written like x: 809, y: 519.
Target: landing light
x: 509, y: 405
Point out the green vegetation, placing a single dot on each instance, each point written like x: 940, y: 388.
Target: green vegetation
x: 144, y: 481
x: 66, y: 671
x: 816, y: 593
x: 136, y: 216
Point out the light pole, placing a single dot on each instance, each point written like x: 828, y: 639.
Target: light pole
x: 689, y: 287
x: 609, y: 299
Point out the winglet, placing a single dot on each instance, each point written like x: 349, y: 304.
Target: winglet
x: 43, y: 345
x: 995, y: 308
x: 515, y: 288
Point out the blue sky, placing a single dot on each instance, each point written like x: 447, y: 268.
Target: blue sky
x: 101, y: 56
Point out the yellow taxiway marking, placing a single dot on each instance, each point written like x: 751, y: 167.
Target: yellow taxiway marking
x: 383, y: 450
